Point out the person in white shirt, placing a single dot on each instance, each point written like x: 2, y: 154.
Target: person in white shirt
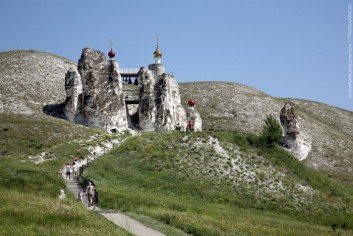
x: 75, y: 169
x: 68, y: 171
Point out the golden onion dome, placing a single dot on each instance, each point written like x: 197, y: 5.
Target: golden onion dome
x: 157, y: 53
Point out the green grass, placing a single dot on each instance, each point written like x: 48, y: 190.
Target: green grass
x: 29, y: 192
x: 30, y: 205
x: 23, y: 135
x: 29, y: 213
x: 148, y: 176
x: 143, y: 175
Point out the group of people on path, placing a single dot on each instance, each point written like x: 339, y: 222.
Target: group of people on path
x: 89, y: 191
x: 72, y: 169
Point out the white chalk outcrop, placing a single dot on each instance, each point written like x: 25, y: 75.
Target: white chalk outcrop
x: 295, y: 140
x: 95, y: 98
x: 160, y: 106
x: 94, y: 95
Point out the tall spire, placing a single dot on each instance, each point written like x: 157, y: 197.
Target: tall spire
x: 157, y: 54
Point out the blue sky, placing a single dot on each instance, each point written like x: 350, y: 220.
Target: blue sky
x: 286, y: 48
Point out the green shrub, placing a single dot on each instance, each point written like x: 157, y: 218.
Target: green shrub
x: 271, y: 132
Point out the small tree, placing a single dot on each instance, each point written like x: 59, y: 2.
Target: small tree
x: 271, y: 132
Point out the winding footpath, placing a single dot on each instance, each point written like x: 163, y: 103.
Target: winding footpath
x: 120, y: 219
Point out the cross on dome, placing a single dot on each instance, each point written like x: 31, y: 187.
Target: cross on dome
x: 157, y: 54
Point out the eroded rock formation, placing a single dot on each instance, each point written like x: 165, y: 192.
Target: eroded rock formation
x: 73, y: 89
x: 94, y: 93
x: 95, y: 98
x: 295, y: 140
x: 159, y: 108
x: 289, y: 119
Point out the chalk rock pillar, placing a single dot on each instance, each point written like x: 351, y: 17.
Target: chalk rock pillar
x: 159, y: 108
x: 296, y: 141
x: 73, y: 89
x: 288, y: 119
x: 101, y: 103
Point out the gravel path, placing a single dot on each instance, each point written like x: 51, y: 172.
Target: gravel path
x: 120, y: 219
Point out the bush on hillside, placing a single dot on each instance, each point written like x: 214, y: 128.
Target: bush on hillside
x: 271, y: 132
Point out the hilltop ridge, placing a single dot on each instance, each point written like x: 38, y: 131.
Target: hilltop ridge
x: 31, y: 79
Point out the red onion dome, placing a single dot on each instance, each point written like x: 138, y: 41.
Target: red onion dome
x: 191, y: 102
x: 111, y: 53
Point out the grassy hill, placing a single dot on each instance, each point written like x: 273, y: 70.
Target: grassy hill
x: 218, y: 182
x: 221, y: 183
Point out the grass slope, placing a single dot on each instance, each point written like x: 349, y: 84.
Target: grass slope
x: 186, y: 181
x: 29, y: 191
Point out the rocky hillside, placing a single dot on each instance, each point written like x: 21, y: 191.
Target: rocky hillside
x: 30, y: 80
x: 327, y: 129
